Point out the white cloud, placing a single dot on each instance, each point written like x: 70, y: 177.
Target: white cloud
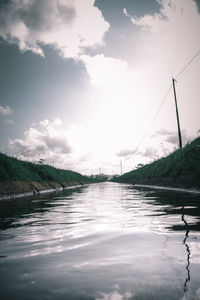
x: 175, y: 31
x: 124, y: 96
x: 5, y: 110
x: 48, y: 142
x: 68, y: 25
x: 106, y: 72
x: 115, y: 295
x: 170, y: 39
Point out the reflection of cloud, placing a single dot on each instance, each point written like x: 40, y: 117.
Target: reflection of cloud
x: 5, y: 110
x: 49, y: 141
x: 115, y: 295
x: 67, y: 25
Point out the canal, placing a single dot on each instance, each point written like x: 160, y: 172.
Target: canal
x: 105, y: 241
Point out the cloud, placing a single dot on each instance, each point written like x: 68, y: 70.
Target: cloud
x: 171, y: 136
x: 106, y: 72
x: 172, y: 139
x: 5, y: 110
x: 198, y: 4
x: 10, y: 122
x: 68, y: 25
x: 115, y: 295
x: 150, y: 152
x: 48, y: 142
x: 170, y: 36
x: 124, y: 153
x: 174, y: 12
x: 161, y: 131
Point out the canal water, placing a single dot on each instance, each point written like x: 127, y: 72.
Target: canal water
x: 105, y: 241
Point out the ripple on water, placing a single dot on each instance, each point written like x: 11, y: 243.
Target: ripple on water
x: 107, y: 241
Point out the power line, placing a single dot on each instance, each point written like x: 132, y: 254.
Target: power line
x: 155, y: 116
x: 165, y: 97
x: 187, y: 65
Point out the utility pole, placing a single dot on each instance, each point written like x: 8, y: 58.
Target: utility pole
x: 177, y: 116
x: 121, y: 166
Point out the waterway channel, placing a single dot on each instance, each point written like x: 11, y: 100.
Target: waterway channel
x: 105, y: 241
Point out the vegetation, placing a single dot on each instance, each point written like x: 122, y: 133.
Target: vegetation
x: 180, y: 168
x: 12, y: 169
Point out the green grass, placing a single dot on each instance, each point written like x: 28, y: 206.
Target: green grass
x: 12, y: 169
x: 180, y: 168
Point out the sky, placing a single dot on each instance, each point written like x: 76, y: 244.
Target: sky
x: 83, y: 82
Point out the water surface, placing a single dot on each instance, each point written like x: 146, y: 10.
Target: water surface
x: 104, y: 241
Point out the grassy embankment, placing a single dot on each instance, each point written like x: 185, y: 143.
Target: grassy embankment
x: 181, y: 169
x: 17, y: 176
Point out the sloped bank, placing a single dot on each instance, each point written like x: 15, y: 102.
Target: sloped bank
x: 22, y: 189
x: 180, y: 169
x: 167, y: 188
x: 22, y: 179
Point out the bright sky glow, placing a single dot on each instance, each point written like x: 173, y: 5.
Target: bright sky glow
x: 97, y: 116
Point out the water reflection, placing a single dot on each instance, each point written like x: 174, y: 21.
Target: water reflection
x: 187, y: 250
x: 174, y: 204
x: 19, y: 212
x: 106, y: 241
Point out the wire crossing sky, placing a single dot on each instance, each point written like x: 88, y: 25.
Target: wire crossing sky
x: 82, y: 82
x: 187, y: 65
x: 165, y: 97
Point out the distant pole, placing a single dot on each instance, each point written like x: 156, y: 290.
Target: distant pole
x: 177, y: 116
x: 121, y: 166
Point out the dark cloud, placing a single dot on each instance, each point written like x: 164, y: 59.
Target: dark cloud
x: 112, y: 9
x: 32, y: 23
x: 161, y: 132
x: 198, y: 4
x: 172, y: 139
x: 124, y: 153
x: 150, y: 152
x: 122, y: 36
x: 39, y: 14
x: 25, y: 22
x: 35, y: 88
x: 48, y: 145
x: 171, y: 136
x: 67, y: 13
x: 56, y: 144
x: 28, y: 151
x: 47, y: 142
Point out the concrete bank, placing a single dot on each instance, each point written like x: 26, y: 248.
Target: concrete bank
x: 35, y: 192
x: 168, y: 188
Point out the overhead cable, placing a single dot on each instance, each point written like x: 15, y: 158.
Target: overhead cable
x: 165, y: 97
